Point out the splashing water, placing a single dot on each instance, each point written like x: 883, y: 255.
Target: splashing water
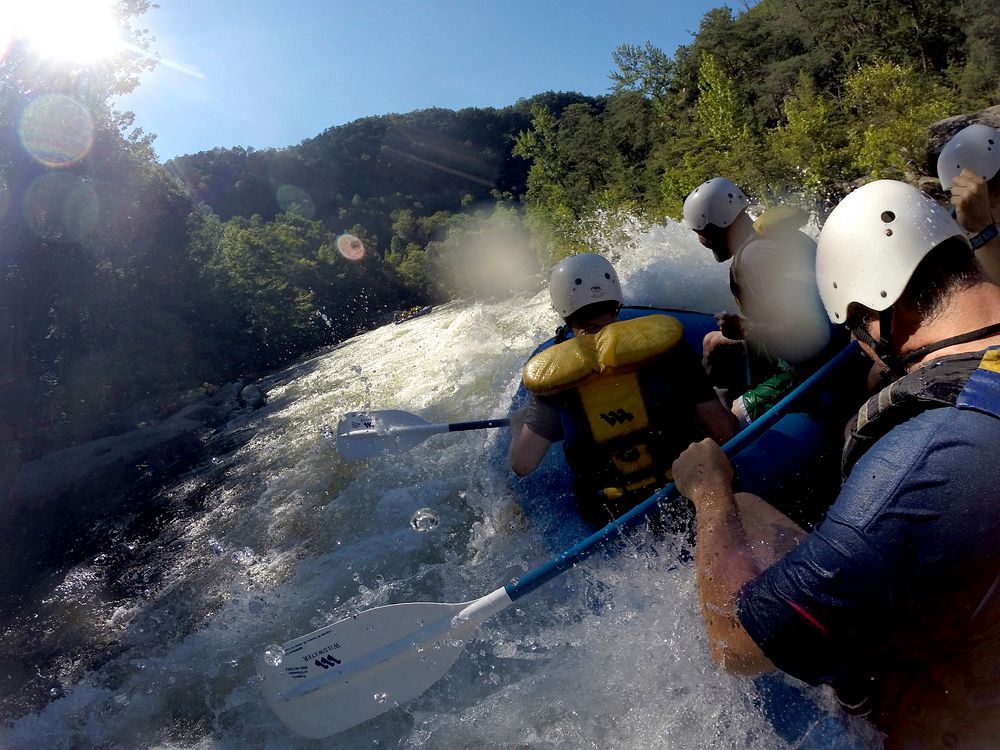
x: 158, y: 645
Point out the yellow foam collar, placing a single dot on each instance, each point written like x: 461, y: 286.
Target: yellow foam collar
x: 778, y: 219
x: 619, y: 347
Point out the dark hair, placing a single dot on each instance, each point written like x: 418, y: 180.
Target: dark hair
x: 949, y: 268
x: 589, y: 312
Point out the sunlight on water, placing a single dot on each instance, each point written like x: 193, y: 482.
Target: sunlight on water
x: 160, y: 645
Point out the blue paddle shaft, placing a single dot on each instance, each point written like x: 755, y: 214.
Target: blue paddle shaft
x: 543, y: 574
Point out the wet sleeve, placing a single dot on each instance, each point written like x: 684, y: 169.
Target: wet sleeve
x: 816, y: 614
x: 543, y: 418
x: 832, y: 607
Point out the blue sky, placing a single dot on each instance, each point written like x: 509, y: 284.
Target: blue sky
x: 270, y: 74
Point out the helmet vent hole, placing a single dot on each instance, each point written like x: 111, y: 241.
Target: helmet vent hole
x: 835, y: 285
x: 579, y: 281
x: 607, y: 275
x: 883, y: 293
x: 888, y: 217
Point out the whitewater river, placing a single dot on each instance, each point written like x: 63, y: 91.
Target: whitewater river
x: 154, y: 641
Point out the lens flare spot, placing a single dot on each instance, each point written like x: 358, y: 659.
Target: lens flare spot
x: 350, y: 247
x: 295, y: 200
x: 58, y: 206
x: 56, y: 130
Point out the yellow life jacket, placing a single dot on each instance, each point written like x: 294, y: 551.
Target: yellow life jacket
x: 778, y: 220
x: 609, y: 412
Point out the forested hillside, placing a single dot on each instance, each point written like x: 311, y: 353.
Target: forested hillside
x: 125, y: 282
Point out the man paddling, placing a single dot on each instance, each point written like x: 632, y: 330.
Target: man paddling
x: 893, y: 599
x: 624, y: 396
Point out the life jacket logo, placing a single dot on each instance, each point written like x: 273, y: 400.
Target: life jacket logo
x: 618, y: 416
x: 327, y: 661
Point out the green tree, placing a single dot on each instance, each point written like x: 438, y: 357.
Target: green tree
x: 893, y: 106
x: 811, y: 148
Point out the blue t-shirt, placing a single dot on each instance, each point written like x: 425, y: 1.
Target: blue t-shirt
x: 895, y: 584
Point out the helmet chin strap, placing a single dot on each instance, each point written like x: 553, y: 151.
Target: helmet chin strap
x: 962, y: 338
x: 895, y: 366
x: 882, y: 347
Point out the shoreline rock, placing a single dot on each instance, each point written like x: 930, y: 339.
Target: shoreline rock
x: 84, y: 480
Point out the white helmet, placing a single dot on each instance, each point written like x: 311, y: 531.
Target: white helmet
x: 872, y: 243
x: 718, y: 201
x: 582, y: 280
x: 976, y: 148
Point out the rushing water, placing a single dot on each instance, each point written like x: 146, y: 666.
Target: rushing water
x: 153, y: 641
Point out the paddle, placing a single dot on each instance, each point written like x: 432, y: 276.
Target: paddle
x: 368, y: 434
x: 345, y: 673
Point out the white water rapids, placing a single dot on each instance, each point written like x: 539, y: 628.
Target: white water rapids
x: 153, y: 642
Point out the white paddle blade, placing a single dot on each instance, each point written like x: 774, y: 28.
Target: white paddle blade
x: 348, y: 672
x: 369, y: 434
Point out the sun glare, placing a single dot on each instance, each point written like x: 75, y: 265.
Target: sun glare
x: 79, y: 31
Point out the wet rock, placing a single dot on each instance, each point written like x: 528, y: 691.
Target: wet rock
x: 252, y: 397
x: 91, y: 479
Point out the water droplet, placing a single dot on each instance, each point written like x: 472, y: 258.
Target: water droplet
x: 273, y: 655
x: 424, y: 519
x: 380, y: 697
x: 54, y: 692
